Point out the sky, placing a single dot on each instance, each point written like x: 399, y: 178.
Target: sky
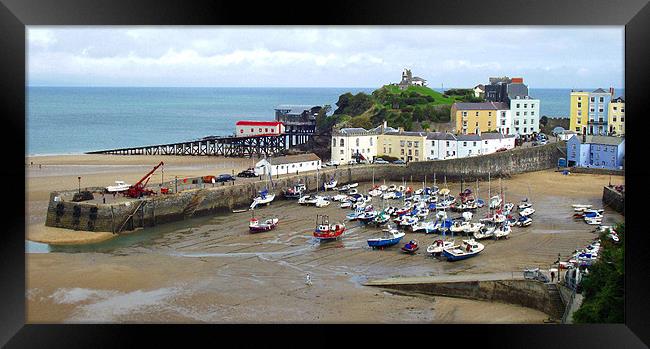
x: 320, y: 56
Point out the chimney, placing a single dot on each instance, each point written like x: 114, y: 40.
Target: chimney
x: 584, y: 138
x: 611, y: 92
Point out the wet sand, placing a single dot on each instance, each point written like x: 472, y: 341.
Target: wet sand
x: 211, y: 269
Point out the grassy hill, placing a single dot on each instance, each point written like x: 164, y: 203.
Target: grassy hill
x: 416, y: 108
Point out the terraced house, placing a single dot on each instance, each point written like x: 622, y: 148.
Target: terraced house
x: 589, y: 111
x: 408, y: 146
x: 616, y: 117
x: 478, y: 117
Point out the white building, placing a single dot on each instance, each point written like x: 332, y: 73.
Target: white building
x: 504, y: 122
x: 440, y: 146
x: 356, y: 143
x: 566, y: 135
x: 468, y: 145
x: 245, y: 128
x: 525, y: 115
x: 491, y: 142
x: 292, y: 164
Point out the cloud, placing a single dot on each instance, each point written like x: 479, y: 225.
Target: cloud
x: 321, y: 56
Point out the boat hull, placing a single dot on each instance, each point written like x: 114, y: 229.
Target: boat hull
x: 452, y: 257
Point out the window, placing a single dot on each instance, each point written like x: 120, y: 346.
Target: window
x: 416, y: 144
x: 333, y: 142
x: 371, y: 141
x: 532, y: 112
x: 477, y: 124
x: 432, y: 152
x: 579, y: 105
x: 602, y: 99
x: 390, y: 150
x: 532, y: 105
x: 622, y: 110
x: 341, y: 142
x: 476, y: 113
x: 517, y: 113
x: 525, y: 113
x: 241, y: 131
x: 485, y: 142
x: 357, y: 142
x: 260, y: 130
x: 301, y: 165
x: 384, y: 149
x: 614, y: 108
x: 401, y: 143
x: 518, y: 105
x: 402, y: 151
x: 525, y: 105
x: 464, y: 144
x: 489, y: 123
x: 410, y: 144
x: 474, y: 143
x: 252, y: 130
x: 464, y: 113
x: 503, y: 122
x: 524, y: 121
x: 600, y: 110
x: 410, y: 152
x: 341, y: 151
x: 592, y: 99
x: 266, y: 129
x: 447, y: 143
x: 368, y: 151
x: 489, y: 113
x: 416, y: 152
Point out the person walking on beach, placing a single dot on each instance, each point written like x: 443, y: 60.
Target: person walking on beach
x: 552, y: 276
x: 308, y: 279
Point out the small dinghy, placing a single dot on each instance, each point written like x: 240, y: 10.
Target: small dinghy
x: 346, y: 204
x: 503, y: 231
x: 469, y: 248
x: 411, y: 247
x: 383, y: 187
x: 459, y: 226
x: 389, y: 195
x: 353, y: 216
x: 524, y: 221
x: 408, y: 221
x: 375, y: 192
x: 527, y: 211
x: 425, y: 227
x: 484, y: 233
x: 308, y: 200
x: 437, y: 246
x: 330, y: 185
x: 325, y: 231
x: 367, y: 216
x: 255, y: 226
x: 390, y: 237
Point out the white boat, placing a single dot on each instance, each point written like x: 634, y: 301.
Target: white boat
x: 467, y: 216
x: 485, y: 232
x: 353, y: 185
x: 598, y: 220
x: 524, y: 221
x: 375, y: 192
x: 392, y: 188
x: 495, y: 201
x: 527, y: 211
x: 507, y: 208
x: 438, y: 245
x: 423, y: 226
x: 345, y: 188
x: 330, y: 185
x: 321, y: 202
x: 471, y: 228
x: 308, y: 200
x: 459, y: 227
x: 581, y: 206
x: 502, y: 231
x: 346, y: 204
x: 389, y: 195
x: 408, y: 221
x: 423, y: 213
x: 264, y: 198
x: 467, y: 249
x: 383, y: 187
x: 119, y: 186
x: 524, y: 205
x: 339, y: 197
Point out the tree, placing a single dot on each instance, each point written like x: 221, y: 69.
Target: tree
x: 543, y: 121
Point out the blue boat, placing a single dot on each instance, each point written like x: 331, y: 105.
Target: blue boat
x: 469, y: 248
x: 391, y: 237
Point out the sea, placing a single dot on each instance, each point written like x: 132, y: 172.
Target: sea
x: 74, y: 120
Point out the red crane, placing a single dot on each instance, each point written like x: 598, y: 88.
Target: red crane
x: 139, y: 189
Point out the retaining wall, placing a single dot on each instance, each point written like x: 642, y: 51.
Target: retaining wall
x: 527, y: 293
x: 222, y: 198
x: 614, y: 199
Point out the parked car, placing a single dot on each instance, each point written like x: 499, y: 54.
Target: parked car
x: 225, y: 178
x: 399, y: 162
x: 381, y: 161
x: 501, y: 149
x: 332, y: 163
x: 352, y: 162
x: 247, y: 173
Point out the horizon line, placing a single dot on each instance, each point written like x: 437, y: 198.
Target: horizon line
x: 360, y: 87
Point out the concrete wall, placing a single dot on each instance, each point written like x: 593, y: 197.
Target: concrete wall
x: 222, y: 198
x: 614, y: 199
x: 527, y: 293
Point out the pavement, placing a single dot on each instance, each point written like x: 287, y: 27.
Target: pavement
x: 515, y: 275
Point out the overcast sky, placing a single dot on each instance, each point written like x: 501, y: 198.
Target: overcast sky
x: 570, y: 57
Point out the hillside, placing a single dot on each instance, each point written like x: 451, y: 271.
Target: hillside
x: 415, y: 108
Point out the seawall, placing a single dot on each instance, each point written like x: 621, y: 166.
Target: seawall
x: 124, y: 216
x: 614, y: 199
x: 526, y: 293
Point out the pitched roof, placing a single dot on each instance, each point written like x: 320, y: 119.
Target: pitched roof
x: 292, y: 159
x: 491, y: 135
x: 257, y: 123
x: 407, y: 133
x: 482, y: 106
x: 605, y: 140
x: 353, y: 130
x: 468, y: 137
x: 600, y: 90
x: 436, y: 135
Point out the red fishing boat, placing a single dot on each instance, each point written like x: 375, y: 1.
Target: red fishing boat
x: 255, y: 226
x: 326, y: 231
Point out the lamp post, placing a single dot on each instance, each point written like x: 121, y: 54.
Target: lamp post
x: 79, y: 178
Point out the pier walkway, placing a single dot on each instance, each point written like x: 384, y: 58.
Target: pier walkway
x: 515, y: 275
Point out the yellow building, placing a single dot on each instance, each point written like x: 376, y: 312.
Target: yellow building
x: 579, y: 112
x: 616, y: 117
x: 477, y: 117
x: 408, y: 146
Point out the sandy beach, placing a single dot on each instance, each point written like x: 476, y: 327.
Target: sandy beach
x: 210, y: 269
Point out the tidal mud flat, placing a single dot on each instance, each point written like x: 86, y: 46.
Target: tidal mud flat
x: 211, y: 269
